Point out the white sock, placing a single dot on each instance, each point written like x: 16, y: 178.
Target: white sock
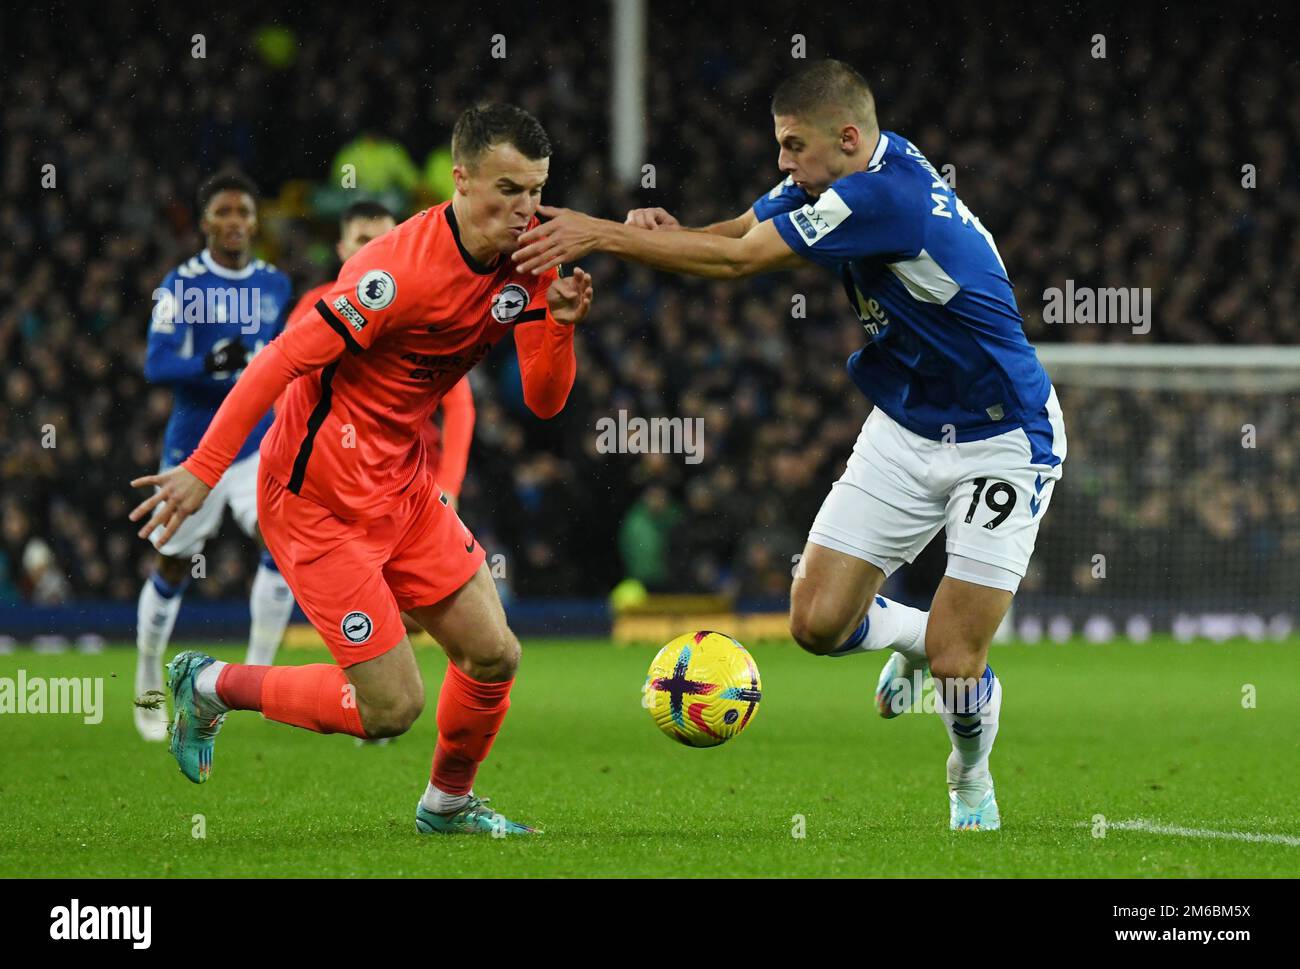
x: 270, y: 605
x: 205, y: 687
x: 440, y: 802
x: 155, y: 619
x: 889, y: 625
x: 972, y: 726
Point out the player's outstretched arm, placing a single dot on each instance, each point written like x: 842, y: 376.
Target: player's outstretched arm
x: 570, y: 235
x: 661, y: 219
x: 298, y: 350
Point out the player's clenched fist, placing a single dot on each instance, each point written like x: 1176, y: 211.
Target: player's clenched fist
x: 179, y: 495
x: 652, y: 219
x: 570, y: 297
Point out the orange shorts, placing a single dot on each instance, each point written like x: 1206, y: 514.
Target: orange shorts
x: 354, y: 579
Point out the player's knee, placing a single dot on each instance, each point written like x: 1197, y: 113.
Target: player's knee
x: 408, y: 713
x: 394, y: 715
x: 392, y: 721
x: 495, y: 659
x: 817, y: 634
x: 955, y: 661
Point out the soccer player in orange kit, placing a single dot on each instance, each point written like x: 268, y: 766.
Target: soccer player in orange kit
x: 449, y: 444
x: 349, y: 508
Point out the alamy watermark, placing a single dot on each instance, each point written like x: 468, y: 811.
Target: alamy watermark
x: 1089, y: 304
x: 655, y: 435
x: 123, y: 923
x: 245, y: 306
x: 38, y: 694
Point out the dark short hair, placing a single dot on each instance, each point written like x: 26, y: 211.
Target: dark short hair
x: 365, y: 209
x: 228, y: 181
x: 485, y: 125
x: 823, y: 86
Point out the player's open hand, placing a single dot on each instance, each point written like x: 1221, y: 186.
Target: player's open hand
x: 570, y: 298
x: 652, y: 219
x: 566, y: 237
x: 179, y: 495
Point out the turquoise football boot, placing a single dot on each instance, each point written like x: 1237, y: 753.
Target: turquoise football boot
x: 971, y: 804
x: 193, y: 730
x: 982, y: 817
x: 474, y: 818
x: 899, y: 686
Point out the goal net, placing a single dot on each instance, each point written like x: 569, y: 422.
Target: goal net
x: 1179, y: 509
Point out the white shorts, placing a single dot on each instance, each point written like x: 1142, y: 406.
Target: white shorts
x: 899, y: 489
x: 237, y: 490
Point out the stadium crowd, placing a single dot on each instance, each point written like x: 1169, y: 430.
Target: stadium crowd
x: 1122, y: 170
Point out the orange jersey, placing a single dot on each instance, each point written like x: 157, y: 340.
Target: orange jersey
x: 407, y: 318
x: 448, y: 445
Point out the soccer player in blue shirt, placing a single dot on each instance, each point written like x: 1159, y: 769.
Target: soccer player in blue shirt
x: 966, y: 433
x: 211, y: 314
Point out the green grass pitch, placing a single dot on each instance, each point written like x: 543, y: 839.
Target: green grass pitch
x: 1156, y: 732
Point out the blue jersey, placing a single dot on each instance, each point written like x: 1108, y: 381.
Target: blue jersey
x: 199, y: 305
x: 946, y: 356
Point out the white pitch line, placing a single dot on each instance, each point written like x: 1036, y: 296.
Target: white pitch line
x: 1140, y: 824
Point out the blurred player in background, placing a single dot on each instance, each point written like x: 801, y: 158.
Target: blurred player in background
x: 211, y: 315
x: 347, y: 501
x: 966, y: 432
x: 359, y: 223
x: 448, y: 444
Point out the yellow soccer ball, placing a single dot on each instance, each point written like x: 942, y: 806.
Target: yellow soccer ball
x: 702, y: 689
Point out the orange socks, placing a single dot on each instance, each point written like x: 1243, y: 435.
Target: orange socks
x: 469, y: 715
x: 320, y: 698
x: 239, y: 686
x: 316, y: 697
